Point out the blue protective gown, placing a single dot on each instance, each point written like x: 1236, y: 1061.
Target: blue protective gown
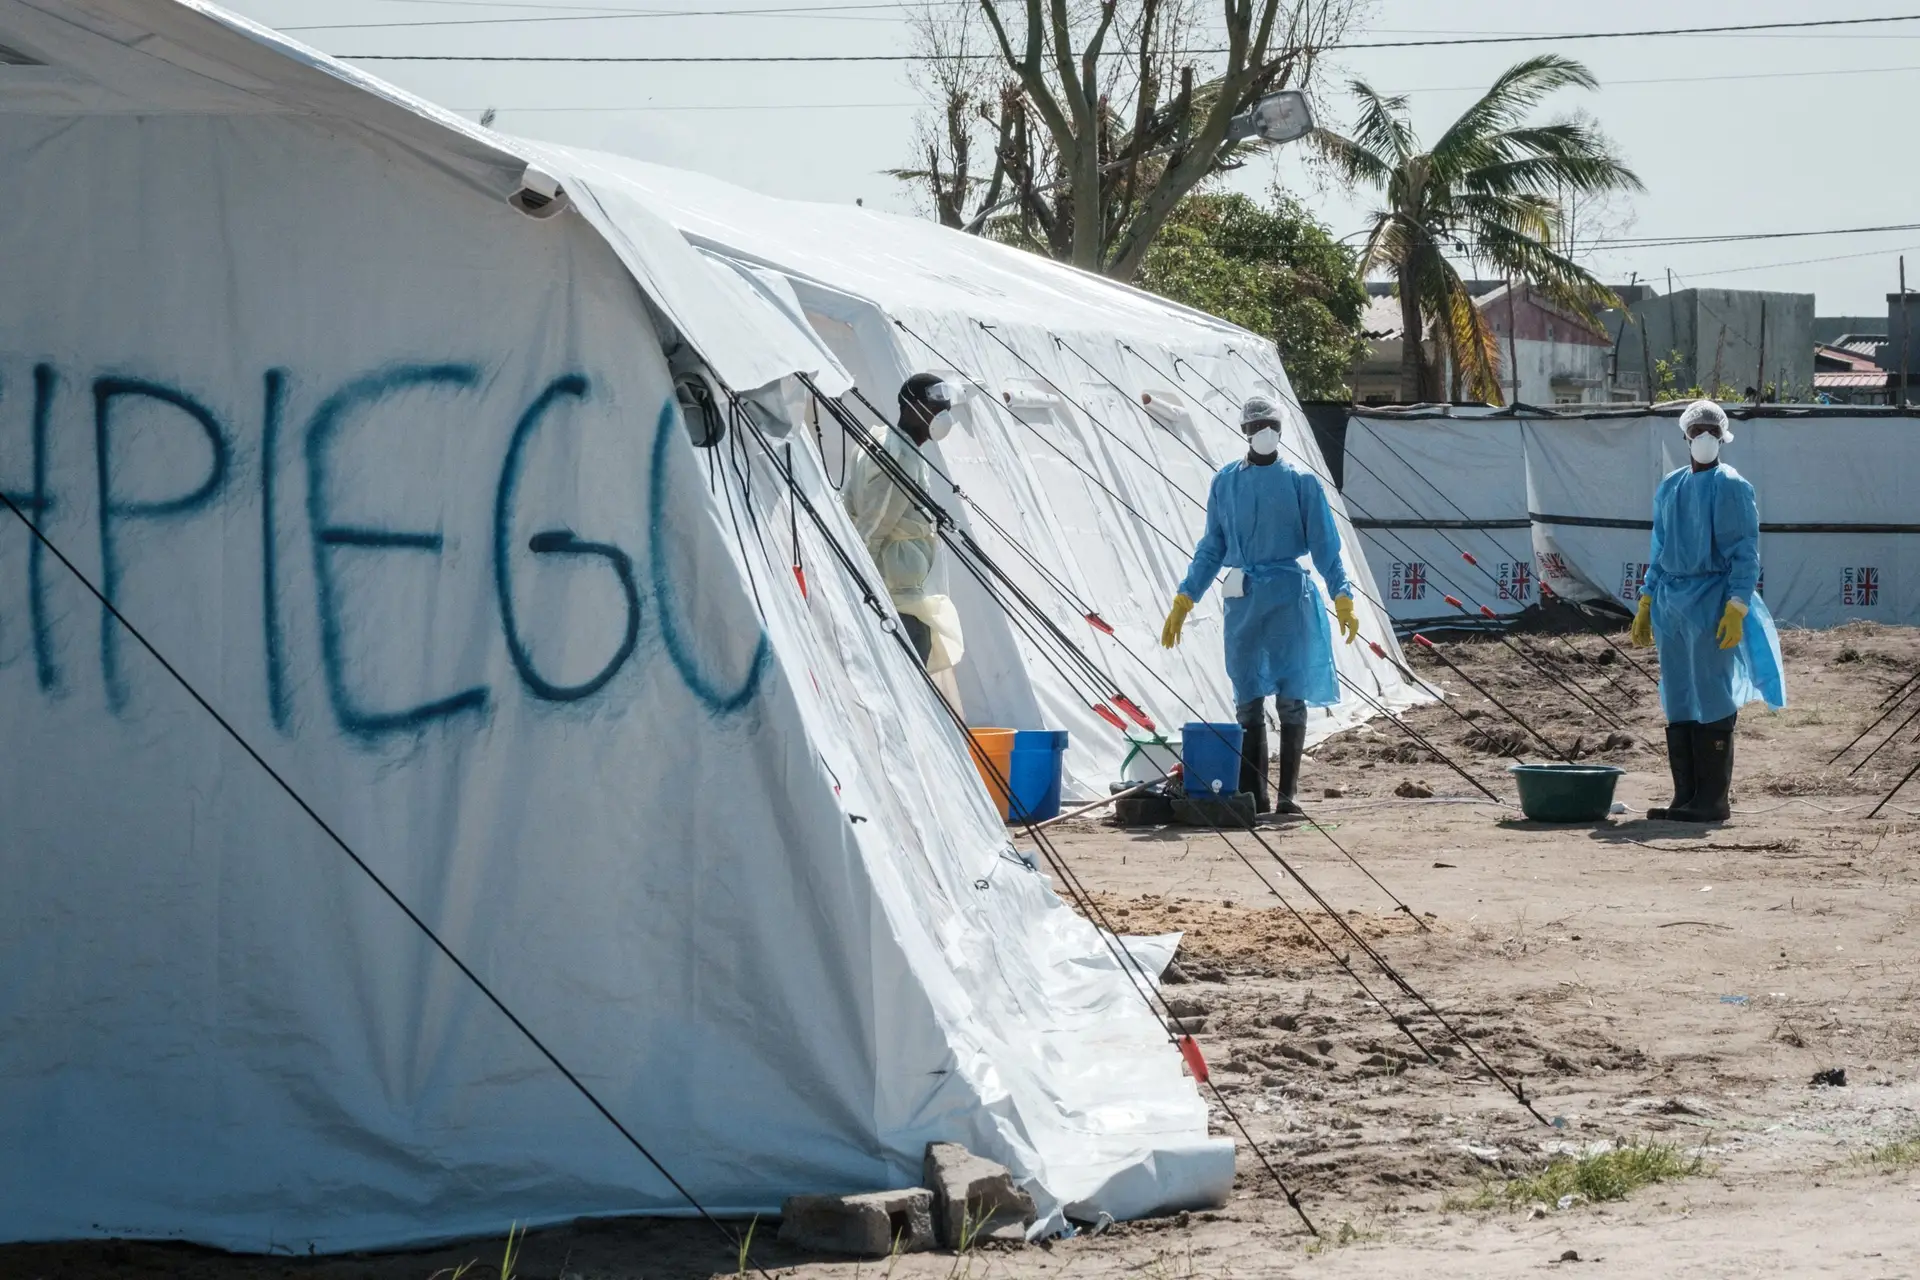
x: 1706, y: 551
x: 1261, y: 520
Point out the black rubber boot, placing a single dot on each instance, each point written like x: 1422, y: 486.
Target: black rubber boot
x: 1712, y: 775
x: 1680, y: 764
x: 1253, y: 756
x: 1293, y: 741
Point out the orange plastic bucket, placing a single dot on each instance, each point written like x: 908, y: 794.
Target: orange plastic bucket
x: 993, y: 757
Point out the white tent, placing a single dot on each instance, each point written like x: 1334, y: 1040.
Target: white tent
x: 1838, y: 535
x: 392, y: 473
x: 1100, y: 416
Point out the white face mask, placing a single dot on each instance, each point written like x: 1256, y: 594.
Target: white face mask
x: 941, y: 425
x: 1704, y: 447
x: 1265, y: 441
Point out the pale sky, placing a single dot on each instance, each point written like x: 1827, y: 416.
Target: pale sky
x: 1732, y: 134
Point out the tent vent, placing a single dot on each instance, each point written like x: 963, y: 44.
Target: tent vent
x: 11, y: 57
x: 539, y: 194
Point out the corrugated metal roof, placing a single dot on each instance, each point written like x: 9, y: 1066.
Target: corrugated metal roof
x: 1381, y: 319
x: 1875, y: 379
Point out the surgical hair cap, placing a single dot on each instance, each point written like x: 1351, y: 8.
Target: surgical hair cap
x: 1258, y: 409
x: 1708, y: 412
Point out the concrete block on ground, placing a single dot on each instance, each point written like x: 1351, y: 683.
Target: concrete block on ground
x: 973, y: 1198
x: 864, y: 1224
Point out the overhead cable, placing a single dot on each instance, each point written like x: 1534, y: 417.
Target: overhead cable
x: 1737, y: 29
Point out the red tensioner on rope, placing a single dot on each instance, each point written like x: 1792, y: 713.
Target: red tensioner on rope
x: 1468, y: 557
x: 1422, y: 640
x: 1134, y: 713
x: 800, y: 576
x: 1378, y: 652
x: 1111, y: 716
x: 1099, y: 624
x: 1486, y: 612
x: 1545, y: 590
x: 1455, y: 603
x: 1190, y: 1050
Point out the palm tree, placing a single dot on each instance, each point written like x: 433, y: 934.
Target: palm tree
x: 1485, y: 191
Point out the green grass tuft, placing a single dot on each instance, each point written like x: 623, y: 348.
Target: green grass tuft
x: 1903, y: 1154
x: 1603, y: 1175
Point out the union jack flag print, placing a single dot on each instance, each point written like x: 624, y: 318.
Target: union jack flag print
x: 1409, y: 580
x: 1860, y: 587
x: 1516, y: 580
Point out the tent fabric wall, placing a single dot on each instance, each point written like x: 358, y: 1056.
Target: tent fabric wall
x: 1590, y: 486
x: 394, y: 476
x: 1839, y: 511
x: 1042, y: 441
x: 1839, y: 537
x: 1424, y: 489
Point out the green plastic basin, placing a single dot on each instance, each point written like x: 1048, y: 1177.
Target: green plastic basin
x: 1565, y: 792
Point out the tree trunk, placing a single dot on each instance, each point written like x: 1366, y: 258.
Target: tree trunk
x: 1434, y: 365
x: 1412, y: 361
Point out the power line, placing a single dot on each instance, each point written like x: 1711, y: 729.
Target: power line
x: 1651, y: 242
x: 715, y: 106
x: 823, y: 106
x: 610, y: 15
x: 909, y: 57
x: 1683, y: 81
x: 1799, y: 262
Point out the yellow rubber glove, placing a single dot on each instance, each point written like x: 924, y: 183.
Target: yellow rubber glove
x: 1349, y: 624
x: 1642, y: 631
x: 1733, y: 624
x: 1176, y: 619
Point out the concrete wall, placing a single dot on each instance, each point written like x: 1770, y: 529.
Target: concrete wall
x: 1556, y: 372
x: 1717, y: 333
x: 1832, y: 328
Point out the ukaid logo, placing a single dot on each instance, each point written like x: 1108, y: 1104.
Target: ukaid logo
x: 1553, y: 566
x: 1632, y: 577
x: 1409, y: 581
x: 1516, y: 580
x: 1860, y: 588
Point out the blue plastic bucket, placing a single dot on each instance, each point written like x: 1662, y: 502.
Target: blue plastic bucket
x: 1035, y: 776
x: 1210, y: 753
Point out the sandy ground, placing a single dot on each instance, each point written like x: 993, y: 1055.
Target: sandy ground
x: 1644, y: 981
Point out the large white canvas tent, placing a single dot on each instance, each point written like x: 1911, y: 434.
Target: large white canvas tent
x: 1099, y: 417
x: 1839, y: 538
x: 392, y: 472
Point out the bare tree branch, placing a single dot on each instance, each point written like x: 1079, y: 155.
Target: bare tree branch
x: 1095, y: 154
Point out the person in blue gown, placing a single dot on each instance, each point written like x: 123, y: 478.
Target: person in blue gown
x: 1701, y: 609
x: 1262, y: 517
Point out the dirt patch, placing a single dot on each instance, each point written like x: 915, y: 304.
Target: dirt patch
x: 1238, y: 938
